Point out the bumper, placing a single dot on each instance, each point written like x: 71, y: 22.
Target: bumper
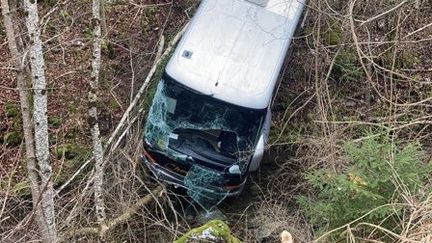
x: 164, y: 175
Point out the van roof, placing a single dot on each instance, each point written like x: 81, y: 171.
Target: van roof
x: 233, y: 50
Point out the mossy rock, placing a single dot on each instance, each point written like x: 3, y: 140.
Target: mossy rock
x: 71, y: 151
x: 12, y: 110
x: 13, y: 138
x: 213, y: 231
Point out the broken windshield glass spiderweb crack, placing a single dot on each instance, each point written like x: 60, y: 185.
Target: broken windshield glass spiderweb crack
x: 206, y: 136
x: 205, y: 187
x: 164, y: 125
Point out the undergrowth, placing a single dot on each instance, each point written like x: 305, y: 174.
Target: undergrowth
x: 382, y: 176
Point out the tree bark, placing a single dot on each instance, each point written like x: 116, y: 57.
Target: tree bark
x: 37, y: 66
x: 93, y: 118
x: 16, y: 56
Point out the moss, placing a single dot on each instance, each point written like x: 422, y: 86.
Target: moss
x: 334, y: 34
x: 87, y: 32
x: 13, y: 138
x: 334, y: 37
x: 22, y: 188
x: 108, y: 49
x: 73, y: 156
x: 73, y: 108
x: 51, y: 28
x: 148, y: 98
x: 71, y: 151
x: 2, y: 29
x: 113, y: 104
x: 12, y: 110
x: 407, y: 60
x: 216, y: 228
x: 54, y: 121
x: 72, y: 133
x: 17, y: 123
x: 148, y: 21
x: 49, y: 3
x: 308, y: 30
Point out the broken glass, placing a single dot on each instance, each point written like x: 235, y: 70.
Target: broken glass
x: 209, y: 136
x: 205, y: 187
x: 179, y: 114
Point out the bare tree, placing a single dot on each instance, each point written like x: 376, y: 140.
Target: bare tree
x: 93, y: 118
x: 37, y: 66
x: 25, y: 109
x: 24, y: 101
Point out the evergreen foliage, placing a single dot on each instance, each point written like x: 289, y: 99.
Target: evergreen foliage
x: 380, y: 173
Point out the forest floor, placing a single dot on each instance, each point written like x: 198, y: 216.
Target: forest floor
x: 324, y: 101
x: 129, y: 50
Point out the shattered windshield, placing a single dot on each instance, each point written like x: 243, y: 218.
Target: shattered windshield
x: 183, y: 123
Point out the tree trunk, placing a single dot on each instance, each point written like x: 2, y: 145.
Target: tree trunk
x: 24, y: 101
x: 93, y: 118
x: 40, y: 117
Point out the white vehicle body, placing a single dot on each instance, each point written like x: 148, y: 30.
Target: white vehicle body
x: 211, y: 111
x: 234, y: 51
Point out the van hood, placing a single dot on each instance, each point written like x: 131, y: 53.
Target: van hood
x: 233, y: 51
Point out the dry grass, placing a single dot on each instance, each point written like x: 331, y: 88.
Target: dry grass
x: 388, y: 44
x: 388, y: 89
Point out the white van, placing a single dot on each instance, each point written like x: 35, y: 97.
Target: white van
x: 211, y: 116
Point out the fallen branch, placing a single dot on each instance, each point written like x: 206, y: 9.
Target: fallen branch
x: 110, y: 225
x: 383, y: 13
x: 144, y: 85
x: 126, y: 115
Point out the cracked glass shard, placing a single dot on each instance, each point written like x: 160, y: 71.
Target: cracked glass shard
x: 176, y: 121
x: 208, y: 137
x: 205, y: 187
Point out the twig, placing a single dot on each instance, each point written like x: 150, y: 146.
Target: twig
x: 418, y: 30
x: 126, y: 215
x: 131, y: 106
x: 383, y: 13
x: 319, y: 239
x: 144, y: 86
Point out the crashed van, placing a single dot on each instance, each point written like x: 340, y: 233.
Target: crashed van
x: 209, y: 122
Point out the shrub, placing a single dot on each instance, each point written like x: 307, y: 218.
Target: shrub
x: 12, y: 110
x: 71, y: 151
x: 347, y: 67
x: 379, y: 174
x: 13, y: 138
